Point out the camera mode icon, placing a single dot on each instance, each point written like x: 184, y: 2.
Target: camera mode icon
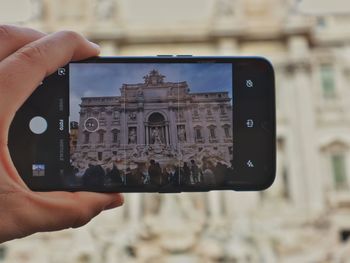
x: 61, y: 72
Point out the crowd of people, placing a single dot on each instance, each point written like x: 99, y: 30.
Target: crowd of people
x: 153, y: 174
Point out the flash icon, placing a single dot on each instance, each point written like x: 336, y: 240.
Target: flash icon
x: 249, y: 83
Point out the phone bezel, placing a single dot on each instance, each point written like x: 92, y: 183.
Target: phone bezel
x: 242, y: 68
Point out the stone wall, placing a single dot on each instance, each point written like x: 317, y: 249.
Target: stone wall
x: 304, y: 216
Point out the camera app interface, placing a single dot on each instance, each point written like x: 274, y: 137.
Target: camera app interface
x: 163, y: 124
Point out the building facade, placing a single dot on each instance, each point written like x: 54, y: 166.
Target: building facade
x: 304, y: 216
x: 157, y: 120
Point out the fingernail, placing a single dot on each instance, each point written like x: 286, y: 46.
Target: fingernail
x: 95, y: 45
x: 116, y: 203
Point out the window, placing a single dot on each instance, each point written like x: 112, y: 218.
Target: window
x: 101, y: 136
x: 227, y: 131
x: 102, y: 113
x: 339, y: 171
x: 87, y: 137
x: 198, y: 134
x: 99, y: 156
x: 115, y: 114
x: 222, y: 110
x: 212, y: 132
x: 327, y: 81
x: 115, y: 136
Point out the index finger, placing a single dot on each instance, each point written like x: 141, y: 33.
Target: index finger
x: 14, y: 37
x: 21, y: 72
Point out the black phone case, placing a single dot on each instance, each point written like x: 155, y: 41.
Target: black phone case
x: 156, y: 135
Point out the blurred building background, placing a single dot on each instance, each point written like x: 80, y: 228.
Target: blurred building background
x: 304, y: 216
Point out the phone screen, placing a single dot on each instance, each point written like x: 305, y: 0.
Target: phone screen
x: 151, y: 124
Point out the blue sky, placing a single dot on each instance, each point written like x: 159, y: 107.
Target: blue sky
x: 106, y: 79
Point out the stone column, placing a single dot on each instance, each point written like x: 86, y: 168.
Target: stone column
x: 296, y: 185
x: 220, y: 133
x: 305, y: 134
x: 134, y: 201
x: 123, y: 130
x: 189, y: 126
x: 173, y: 128
x: 147, y: 134
x: 81, y: 136
x: 163, y: 132
x: 214, y: 205
x: 140, y: 129
x: 205, y: 129
x: 303, y: 124
x: 347, y: 167
x: 166, y: 127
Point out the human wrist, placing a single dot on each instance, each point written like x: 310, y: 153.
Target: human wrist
x: 6, y: 226
x: 12, y: 223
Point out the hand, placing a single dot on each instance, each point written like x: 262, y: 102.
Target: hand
x: 26, y: 58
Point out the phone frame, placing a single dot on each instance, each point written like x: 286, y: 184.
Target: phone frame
x: 257, y: 103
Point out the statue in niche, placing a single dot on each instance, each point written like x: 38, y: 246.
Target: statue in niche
x: 181, y: 134
x: 156, y: 137
x: 132, y: 136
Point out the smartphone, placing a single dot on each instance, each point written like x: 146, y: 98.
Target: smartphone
x: 163, y: 124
